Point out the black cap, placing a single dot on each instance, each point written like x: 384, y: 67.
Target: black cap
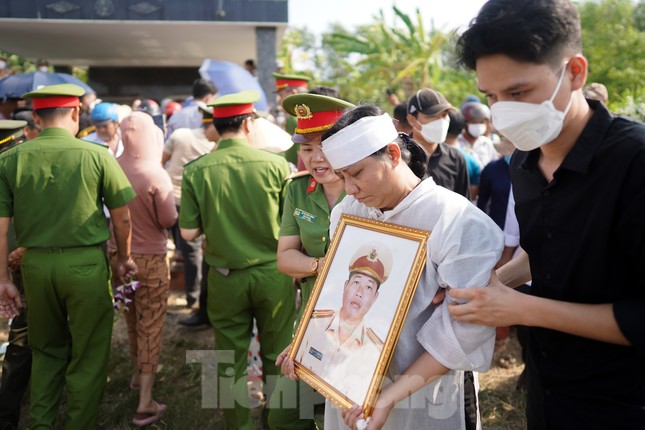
x: 428, y: 102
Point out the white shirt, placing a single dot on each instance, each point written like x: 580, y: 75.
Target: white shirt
x: 464, y: 246
x: 483, y: 149
x: 184, y: 145
x: 94, y: 137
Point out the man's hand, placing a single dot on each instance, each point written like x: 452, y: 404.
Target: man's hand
x: 495, y: 305
x: 10, y: 302
x: 15, y: 258
x: 124, y: 269
x: 286, y: 364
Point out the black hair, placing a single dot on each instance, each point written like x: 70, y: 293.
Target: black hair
x: 50, y: 114
x: 413, y: 154
x: 250, y: 62
x: 324, y: 91
x: 532, y: 31
x: 401, y: 113
x: 231, y: 124
x: 457, y: 123
x: 203, y: 87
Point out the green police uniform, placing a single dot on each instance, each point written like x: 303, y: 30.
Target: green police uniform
x: 306, y: 214
x: 54, y: 186
x: 235, y: 195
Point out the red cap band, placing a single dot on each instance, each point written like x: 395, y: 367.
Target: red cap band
x: 318, y: 121
x: 56, y: 102
x: 232, y: 110
x: 284, y: 83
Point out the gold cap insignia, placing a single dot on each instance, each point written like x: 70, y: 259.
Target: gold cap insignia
x: 303, y: 111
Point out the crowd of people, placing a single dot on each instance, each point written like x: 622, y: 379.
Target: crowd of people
x: 534, y: 202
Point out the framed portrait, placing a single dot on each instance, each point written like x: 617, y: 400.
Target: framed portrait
x: 352, y: 321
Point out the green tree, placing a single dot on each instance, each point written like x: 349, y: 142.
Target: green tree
x: 363, y: 62
x: 614, y: 43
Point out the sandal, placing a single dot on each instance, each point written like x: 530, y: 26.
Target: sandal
x: 146, y: 418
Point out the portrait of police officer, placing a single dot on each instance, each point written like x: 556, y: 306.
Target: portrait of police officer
x: 338, y: 346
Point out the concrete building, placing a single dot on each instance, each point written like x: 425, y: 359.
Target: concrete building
x: 149, y: 48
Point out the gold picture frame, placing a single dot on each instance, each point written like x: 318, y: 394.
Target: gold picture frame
x: 381, y: 263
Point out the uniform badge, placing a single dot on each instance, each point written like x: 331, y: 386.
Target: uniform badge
x: 304, y: 215
x: 313, y: 351
x: 303, y: 111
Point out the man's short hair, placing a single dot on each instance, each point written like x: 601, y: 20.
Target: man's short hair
x: 231, y: 124
x: 324, y: 91
x: 203, y: 88
x: 401, y: 113
x: 49, y: 114
x: 531, y: 31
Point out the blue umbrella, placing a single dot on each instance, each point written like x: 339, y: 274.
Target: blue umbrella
x: 232, y: 78
x: 15, y: 86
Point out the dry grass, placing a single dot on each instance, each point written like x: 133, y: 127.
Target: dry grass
x: 179, y: 384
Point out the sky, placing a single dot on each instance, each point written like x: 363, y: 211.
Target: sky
x: 316, y: 15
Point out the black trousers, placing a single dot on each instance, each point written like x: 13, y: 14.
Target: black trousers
x: 16, y: 368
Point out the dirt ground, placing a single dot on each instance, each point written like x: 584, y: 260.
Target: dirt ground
x: 179, y: 381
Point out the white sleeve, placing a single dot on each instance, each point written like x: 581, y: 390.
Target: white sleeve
x: 511, y: 226
x: 464, y: 247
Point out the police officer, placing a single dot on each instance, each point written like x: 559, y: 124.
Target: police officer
x: 338, y: 346
x: 234, y: 195
x: 54, y: 186
x: 286, y: 85
x: 310, y: 197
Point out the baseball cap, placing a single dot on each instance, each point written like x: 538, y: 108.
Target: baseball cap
x: 428, y: 102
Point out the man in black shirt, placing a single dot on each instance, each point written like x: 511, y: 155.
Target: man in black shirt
x: 428, y: 116
x: 579, y: 186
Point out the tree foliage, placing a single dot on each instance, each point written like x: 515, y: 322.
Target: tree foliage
x: 613, y: 34
x: 408, y: 54
x: 404, y: 57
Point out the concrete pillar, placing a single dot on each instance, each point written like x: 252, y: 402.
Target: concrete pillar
x: 266, y: 59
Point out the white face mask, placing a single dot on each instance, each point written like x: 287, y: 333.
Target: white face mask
x: 530, y: 125
x: 435, y: 131
x: 3, y: 64
x: 43, y: 69
x: 476, y: 130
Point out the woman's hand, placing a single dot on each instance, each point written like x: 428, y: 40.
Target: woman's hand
x: 286, y: 364
x: 355, y: 419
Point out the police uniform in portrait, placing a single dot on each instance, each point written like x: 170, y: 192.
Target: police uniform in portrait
x: 54, y: 186
x: 286, y: 85
x: 346, y: 364
x: 234, y: 195
x: 306, y: 215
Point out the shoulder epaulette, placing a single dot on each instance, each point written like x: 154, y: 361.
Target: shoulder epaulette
x: 374, y: 337
x: 296, y: 175
x: 327, y: 313
x: 87, y: 130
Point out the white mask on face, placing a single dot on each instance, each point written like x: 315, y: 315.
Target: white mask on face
x: 3, y: 64
x: 476, y: 130
x: 530, y: 125
x: 43, y: 69
x: 436, y: 131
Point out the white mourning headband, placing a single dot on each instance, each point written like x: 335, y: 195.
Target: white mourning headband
x: 359, y: 140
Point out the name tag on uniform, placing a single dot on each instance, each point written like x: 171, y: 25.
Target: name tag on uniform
x: 315, y: 353
x: 299, y: 213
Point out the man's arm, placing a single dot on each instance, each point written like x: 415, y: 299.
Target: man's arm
x: 10, y: 302
x: 125, y: 267
x: 499, y: 305
x: 190, y: 233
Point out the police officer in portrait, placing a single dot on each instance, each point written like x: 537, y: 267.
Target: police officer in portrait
x: 338, y: 346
